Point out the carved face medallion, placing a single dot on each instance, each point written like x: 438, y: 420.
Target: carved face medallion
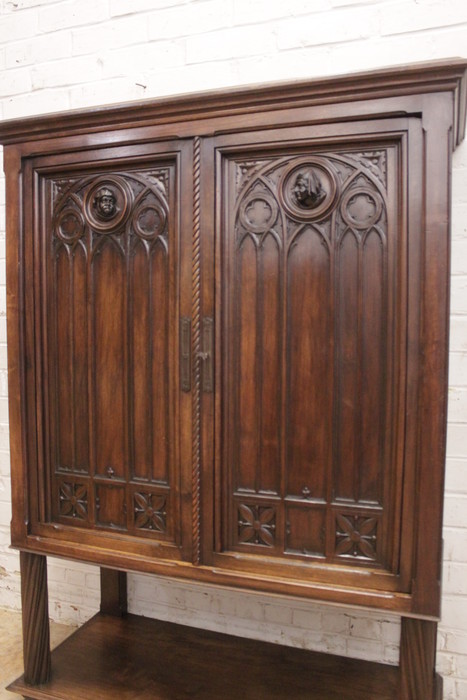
x: 308, y: 188
x: 105, y: 203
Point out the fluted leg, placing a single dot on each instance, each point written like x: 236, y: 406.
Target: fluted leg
x: 417, y: 661
x: 36, y: 638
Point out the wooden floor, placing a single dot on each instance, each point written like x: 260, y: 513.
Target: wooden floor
x: 11, y: 647
x: 136, y: 657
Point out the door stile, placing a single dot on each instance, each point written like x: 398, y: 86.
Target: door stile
x: 32, y: 223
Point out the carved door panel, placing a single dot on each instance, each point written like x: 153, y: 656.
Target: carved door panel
x: 313, y: 335
x: 112, y: 278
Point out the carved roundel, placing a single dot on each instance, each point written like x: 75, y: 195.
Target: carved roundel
x: 258, y: 212
x: 361, y: 208
x: 107, y: 203
x: 149, y: 220
x: 69, y: 224
x: 308, y: 188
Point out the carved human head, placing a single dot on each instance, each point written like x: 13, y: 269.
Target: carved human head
x: 308, y: 190
x: 105, y: 203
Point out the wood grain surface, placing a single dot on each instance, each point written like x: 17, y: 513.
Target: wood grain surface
x: 152, y: 660
x: 227, y: 324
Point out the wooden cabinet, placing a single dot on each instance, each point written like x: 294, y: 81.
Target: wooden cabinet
x: 227, y: 353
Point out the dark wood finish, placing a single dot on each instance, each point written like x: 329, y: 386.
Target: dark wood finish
x: 153, y: 660
x: 196, y: 352
x: 108, y: 289
x: 227, y: 320
x: 248, y: 105
x: 312, y: 302
x: 417, y: 660
x: 35, y: 611
x: 111, y: 284
x: 113, y: 592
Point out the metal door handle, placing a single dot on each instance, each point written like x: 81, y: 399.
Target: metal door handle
x: 206, y: 353
x: 185, y: 353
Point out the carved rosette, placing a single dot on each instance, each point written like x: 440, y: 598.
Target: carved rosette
x: 150, y: 511
x: 356, y: 536
x: 73, y: 500
x: 256, y: 525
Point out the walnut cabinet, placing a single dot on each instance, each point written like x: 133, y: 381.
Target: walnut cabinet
x: 227, y: 319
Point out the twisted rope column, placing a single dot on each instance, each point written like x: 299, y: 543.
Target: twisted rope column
x: 196, y: 348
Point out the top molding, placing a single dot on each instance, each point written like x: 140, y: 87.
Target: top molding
x: 447, y: 75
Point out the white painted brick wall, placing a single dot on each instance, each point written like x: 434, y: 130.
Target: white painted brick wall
x: 61, y: 54
x: 44, y: 48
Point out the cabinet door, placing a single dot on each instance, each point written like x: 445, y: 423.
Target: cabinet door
x: 112, y: 280
x: 312, y: 339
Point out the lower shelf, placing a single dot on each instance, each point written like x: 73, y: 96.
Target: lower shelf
x: 135, y: 657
